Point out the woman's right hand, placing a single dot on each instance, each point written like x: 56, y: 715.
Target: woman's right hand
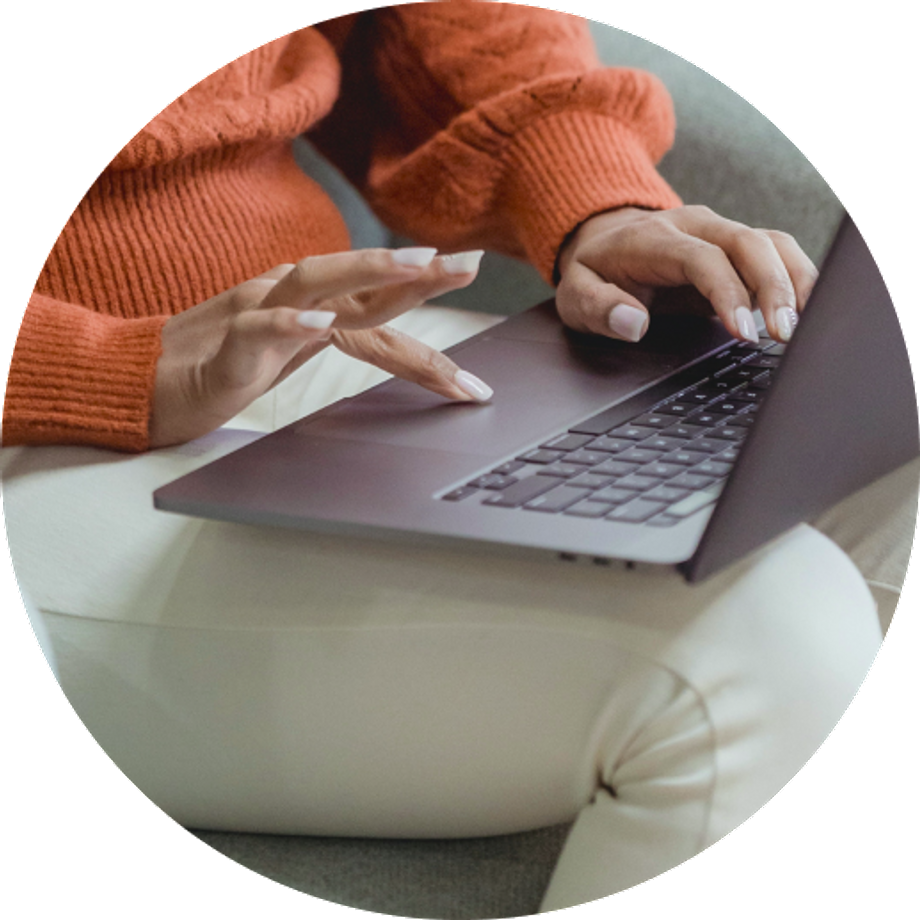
x: 219, y: 356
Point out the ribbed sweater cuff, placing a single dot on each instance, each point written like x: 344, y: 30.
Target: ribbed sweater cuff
x: 78, y: 377
x: 567, y: 167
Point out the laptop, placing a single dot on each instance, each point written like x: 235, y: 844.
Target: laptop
x: 688, y: 449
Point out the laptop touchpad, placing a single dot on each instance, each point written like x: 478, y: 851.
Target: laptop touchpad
x: 540, y: 388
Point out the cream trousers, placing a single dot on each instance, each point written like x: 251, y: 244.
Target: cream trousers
x: 256, y: 679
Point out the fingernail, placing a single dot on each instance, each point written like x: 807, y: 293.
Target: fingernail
x: 473, y: 386
x: 461, y: 263
x: 628, y: 322
x: 316, y: 319
x: 414, y: 256
x: 786, y: 321
x: 744, y: 319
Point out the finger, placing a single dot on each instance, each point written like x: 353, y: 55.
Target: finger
x: 711, y: 272
x: 802, y: 270
x: 380, y: 305
x: 259, y: 343
x: 659, y: 253
x: 587, y: 303
x: 754, y: 255
x: 318, y: 278
x: 401, y: 355
x: 276, y: 273
x: 782, y: 321
x: 249, y: 295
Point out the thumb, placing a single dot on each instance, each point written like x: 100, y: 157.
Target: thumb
x: 588, y: 303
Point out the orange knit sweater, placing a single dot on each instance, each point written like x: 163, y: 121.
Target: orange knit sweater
x: 464, y: 124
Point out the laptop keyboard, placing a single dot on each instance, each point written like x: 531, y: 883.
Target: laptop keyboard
x: 653, y: 460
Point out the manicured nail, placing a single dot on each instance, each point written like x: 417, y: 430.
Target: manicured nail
x: 628, y: 322
x: 744, y: 320
x: 414, y: 256
x: 316, y: 319
x: 462, y: 263
x: 473, y: 386
x: 786, y: 321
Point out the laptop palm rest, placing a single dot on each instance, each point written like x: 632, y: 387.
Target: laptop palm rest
x: 541, y: 384
x: 375, y: 462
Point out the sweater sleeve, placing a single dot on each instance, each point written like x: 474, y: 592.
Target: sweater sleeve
x: 80, y: 377
x: 492, y: 124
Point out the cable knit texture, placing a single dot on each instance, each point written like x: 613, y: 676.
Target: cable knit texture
x: 464, y: 124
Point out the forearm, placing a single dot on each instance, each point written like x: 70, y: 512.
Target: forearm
x: 483, y: 139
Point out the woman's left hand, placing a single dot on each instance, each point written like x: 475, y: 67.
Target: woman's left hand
x: 612, y: 264
x: 221, y: 354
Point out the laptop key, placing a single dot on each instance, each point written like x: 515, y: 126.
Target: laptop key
x: 661, y: 470
x: 636, y: 511
x: 640, y: 455
x: 493, y: 481
x: 709, y: 419
x: 729, y: 433
x: 506, y: 469
x: 685, y: 457
x: 678, y: 408
x: 744, y: 421
x: 705, y: 445
x: 590, y: 481
x: 662, y: 443
x: 691, y: 481
x: 686, y: 430
x: 763, y: 360
x: 667, y: 493
x: 586, y: 457
x: 637, y: 482
x: 654, y: 420
x: 588, y: 509
x: 614, y: 495
x: 747, y: 396
x: 610, y: 445
x: 522, y: 491
x: 713, y: 468
x: 616, y: 467
x: 600, y: 423
x: 567, y: 442
x: 696, y: 501
x: 566, y: 470
x: 700, y: 397
x: 457, y: 495
x: 542, y: 456
x: 726, y: 406
x: 557, y: 499
x: 633, y: 432
x: 663, y: 520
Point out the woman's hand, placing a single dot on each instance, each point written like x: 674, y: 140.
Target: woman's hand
x: 222, y: 354
x: 613, y: 263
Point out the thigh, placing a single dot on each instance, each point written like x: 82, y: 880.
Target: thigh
x: 253, y: 678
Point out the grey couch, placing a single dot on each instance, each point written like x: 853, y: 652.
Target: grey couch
x: 726, y: 155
